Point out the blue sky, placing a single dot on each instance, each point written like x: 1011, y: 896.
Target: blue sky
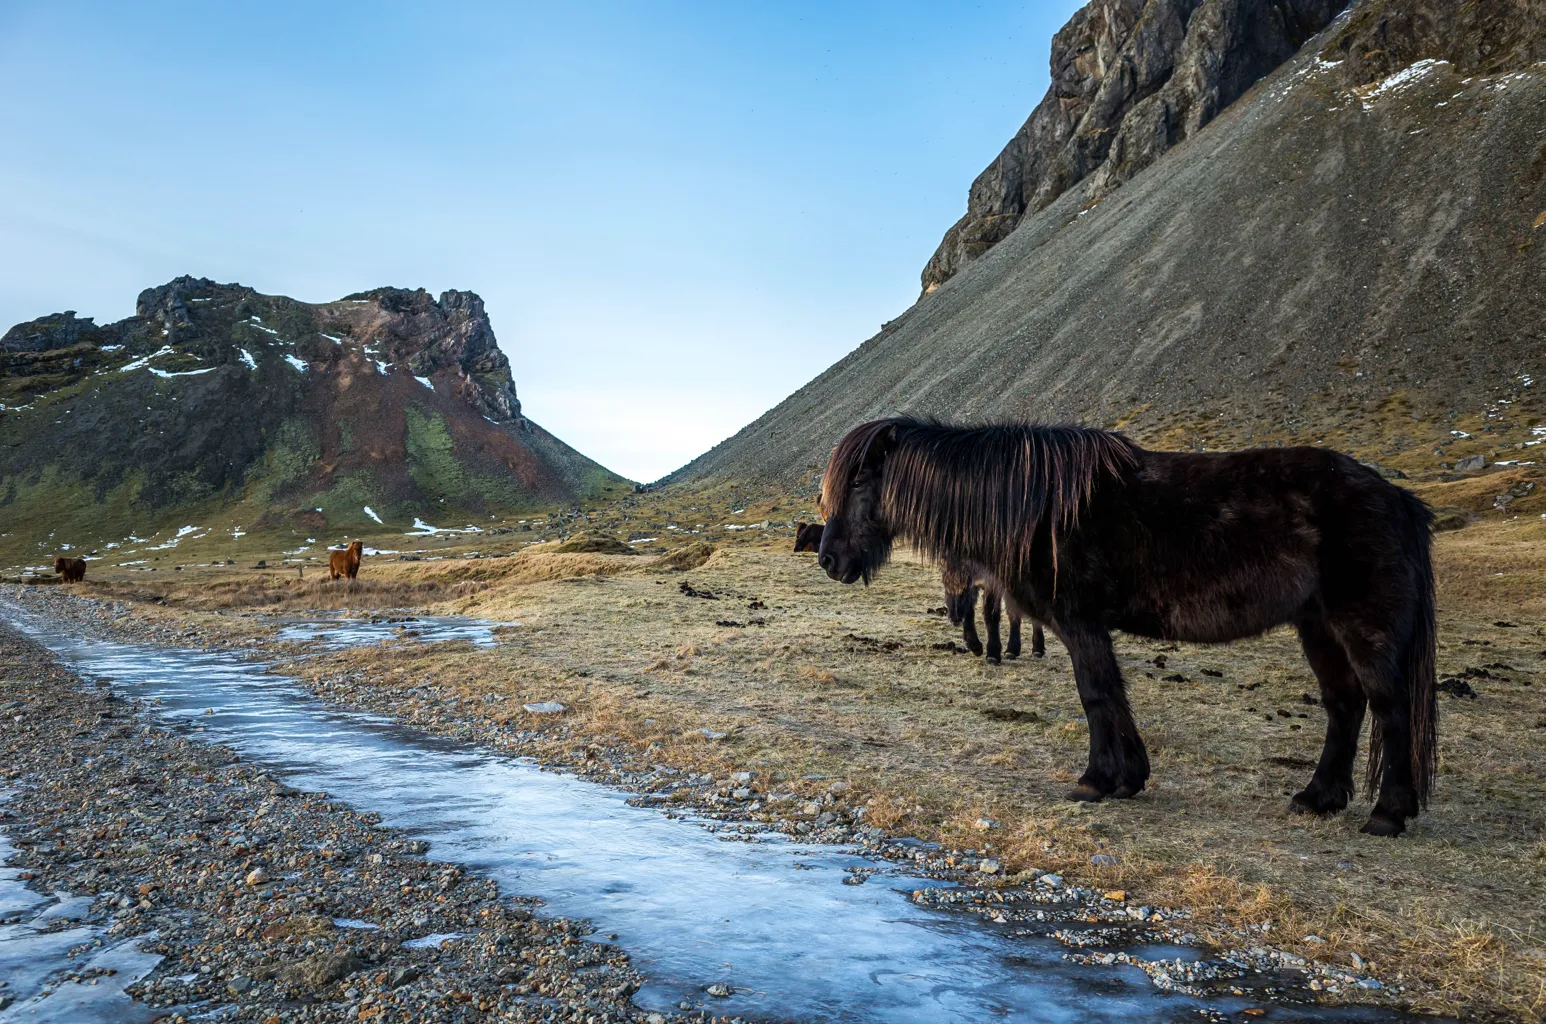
x: 677, y: 213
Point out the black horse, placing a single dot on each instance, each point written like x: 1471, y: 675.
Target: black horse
x: 1087, y: 532
x: 961, y: 587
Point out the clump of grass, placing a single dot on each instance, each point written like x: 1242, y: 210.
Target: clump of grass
x: 690, y: 557
x: 593, y: 544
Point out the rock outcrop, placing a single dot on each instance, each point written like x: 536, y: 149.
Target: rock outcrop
x: 1130, y: 80
x: 391, y: 399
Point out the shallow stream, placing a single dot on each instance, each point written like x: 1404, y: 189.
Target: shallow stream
x: 769, y: 918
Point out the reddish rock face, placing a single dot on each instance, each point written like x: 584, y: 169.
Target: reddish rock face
x: 396, y: 397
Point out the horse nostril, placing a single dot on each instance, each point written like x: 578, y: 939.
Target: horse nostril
x: 826, y: 562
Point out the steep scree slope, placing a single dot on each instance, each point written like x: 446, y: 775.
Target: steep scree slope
x: 1360, y: 238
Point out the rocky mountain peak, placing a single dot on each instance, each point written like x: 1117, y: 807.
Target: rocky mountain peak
x: 1130, y: 80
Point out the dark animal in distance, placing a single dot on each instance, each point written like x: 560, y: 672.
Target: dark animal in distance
x: 807, y: 536
x: 72, y: 569
x: 345, y: 562
x: 1087, y: 532
x: 961, y: 588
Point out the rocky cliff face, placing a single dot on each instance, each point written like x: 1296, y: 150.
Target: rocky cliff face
x: 1353, y: 253
x: 1130, y: 80
x: 217, y: 393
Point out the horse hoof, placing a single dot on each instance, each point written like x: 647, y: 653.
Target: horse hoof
x: 1083, y: 794
x: 1124, y: 792
x: 1385, y: 828
x: 991, y: 660
x: 1038, y: 654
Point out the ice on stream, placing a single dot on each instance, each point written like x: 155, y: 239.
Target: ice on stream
x: 771, y: 921
x: 43, y: 937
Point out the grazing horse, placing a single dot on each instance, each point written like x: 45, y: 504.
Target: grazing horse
x: 1087, y: 532
x: 345, y: 562
x: 807, y: 536
x: 961, y: 587
x: 72, y: 569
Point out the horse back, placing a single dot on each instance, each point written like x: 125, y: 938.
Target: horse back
x: 1209, y: 547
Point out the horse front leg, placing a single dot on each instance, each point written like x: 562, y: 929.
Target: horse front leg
x: 1038, y: 641
x: 1012, y: 649
x: 967, y: 603
x: 992, y: 615
x: 1119, y: 763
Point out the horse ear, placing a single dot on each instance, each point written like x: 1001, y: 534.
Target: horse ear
x: 799, y: 528
x: 881, y: 444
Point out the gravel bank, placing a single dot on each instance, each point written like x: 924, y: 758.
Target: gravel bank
x: 280, y: 905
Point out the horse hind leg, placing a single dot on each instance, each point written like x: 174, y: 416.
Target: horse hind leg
x: 1390, y: 746
x: 992, y: 616
x: 1012, y: 649
x: 1038, y: 641
x: 1331, y: 786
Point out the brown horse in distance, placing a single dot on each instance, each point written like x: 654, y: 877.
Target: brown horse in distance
x: 345, y: 562
x: 72, y: 569
x: 807, y: 537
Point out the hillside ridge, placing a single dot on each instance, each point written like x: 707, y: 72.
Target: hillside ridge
x: 212, y: 394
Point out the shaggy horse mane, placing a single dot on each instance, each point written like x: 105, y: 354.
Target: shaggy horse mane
x: 977, y: 493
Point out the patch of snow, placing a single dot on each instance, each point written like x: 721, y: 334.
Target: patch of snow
x: 111, y: 348
x: 644, y: 540
x: 381, y: 368
x: 380, y: 551
x: 425, y: 381
x: 299, y: 551
x: 185, y: 531
x: 431, y: 941
x: 372, y: 513
x: 185, y: 373
x: 141, y: 561
x: 144, y: 361
x: 329, y: 337
x: 1401, y: 79
x: 237, y: 531
x: 299, y: 364
x: 354, y: 922
x: 252, y: 364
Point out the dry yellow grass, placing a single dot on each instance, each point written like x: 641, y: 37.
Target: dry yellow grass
x: 811, y: 677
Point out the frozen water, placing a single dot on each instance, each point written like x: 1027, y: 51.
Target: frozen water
x: 789, y: 941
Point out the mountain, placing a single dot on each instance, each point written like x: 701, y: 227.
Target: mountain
x: 1351, y: 249
x: 214, y: 394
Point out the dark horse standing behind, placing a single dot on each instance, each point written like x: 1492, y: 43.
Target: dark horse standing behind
x: 961, y: 586
x: 1087, y: 532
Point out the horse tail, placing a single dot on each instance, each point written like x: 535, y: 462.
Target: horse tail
x: 1417, y: 662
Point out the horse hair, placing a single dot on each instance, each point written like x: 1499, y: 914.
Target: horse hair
x: 983, y: 491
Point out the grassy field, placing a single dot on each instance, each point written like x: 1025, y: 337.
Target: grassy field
x: 805, y: 676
